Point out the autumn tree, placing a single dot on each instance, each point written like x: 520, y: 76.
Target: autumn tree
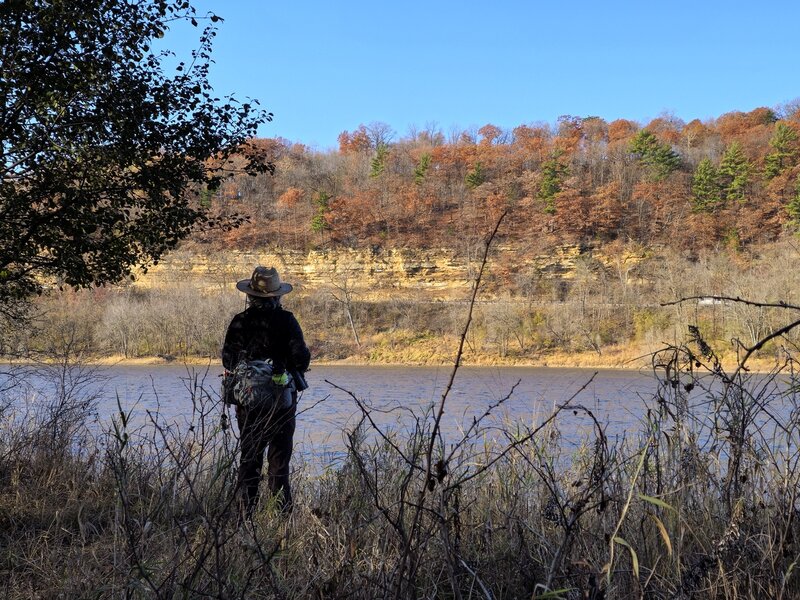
x: 102, y: 150
x: 693, y: 134
x: 598, y: 180
x: 532, y: 146
x: 490, y: 134
x: 569, y: 133
x: 355, y: 141
x: 736, y: 124
x: 667, y: 128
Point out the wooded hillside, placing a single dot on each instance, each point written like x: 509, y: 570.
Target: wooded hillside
x: 732, y: 180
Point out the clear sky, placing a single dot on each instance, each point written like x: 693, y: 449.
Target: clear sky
x: 324, y: 66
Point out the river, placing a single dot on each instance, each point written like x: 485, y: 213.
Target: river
x: 393, y: 394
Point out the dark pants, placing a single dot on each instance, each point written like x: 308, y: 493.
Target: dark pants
x: 270, y: 430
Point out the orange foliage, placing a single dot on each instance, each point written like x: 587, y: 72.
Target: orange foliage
x: 290, y: 198
x: 454, y: 156
x: 533, y: 144
x: 569, y: 134
x: 273, y: 148
x: 595, y: 130
x: 489, y: 133
x: 660, y: 207
x: 666, y: 129
x: 621, y: 130
x: 700, y: 231
x: 355, y: 141
x: 735, y: 124
x: 694, y: 134
x: 764, y: 218
x: 584, y: 215
x: 783, y: 188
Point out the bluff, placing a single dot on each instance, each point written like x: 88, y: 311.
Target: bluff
x: 434, y: 274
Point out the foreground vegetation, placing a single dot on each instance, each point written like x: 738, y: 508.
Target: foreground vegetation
x: 699, y: 502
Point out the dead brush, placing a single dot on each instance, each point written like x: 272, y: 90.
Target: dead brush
x: 699, y: 501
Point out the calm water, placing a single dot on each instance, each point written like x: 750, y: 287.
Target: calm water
x: 392, y: 393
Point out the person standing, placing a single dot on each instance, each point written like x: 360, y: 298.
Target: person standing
x: 266, y: 331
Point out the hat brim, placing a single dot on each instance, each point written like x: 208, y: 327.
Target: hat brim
x: 244, y: 286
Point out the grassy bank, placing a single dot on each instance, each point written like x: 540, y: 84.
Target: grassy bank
x: 699, y: 502
x: 434, y: 353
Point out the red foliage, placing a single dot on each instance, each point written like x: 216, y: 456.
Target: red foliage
x: 489, y: 133
x: 291, y: 197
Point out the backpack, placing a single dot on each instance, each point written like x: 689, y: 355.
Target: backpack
x: 251, y: 386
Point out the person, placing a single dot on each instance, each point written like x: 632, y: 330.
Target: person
x: 266, y: 331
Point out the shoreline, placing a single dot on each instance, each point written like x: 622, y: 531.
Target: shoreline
x: 618, y: 360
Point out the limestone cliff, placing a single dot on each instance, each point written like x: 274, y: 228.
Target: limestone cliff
x: 438, y: 274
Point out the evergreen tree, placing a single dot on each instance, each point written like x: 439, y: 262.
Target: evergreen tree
x: 553, y: 173
x: 659, y: 159
x: 784, y: 144
x: 706, y: 193
x: 318, y: 221
x: 734, y: 172
x: 378, y: 164
x: 422, y: 168
x: 475, y: 177
x: 793, y: 207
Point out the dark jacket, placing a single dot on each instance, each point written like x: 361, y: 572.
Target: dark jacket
x: 261, y: 333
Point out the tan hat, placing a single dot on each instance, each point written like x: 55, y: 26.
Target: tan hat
x: 264, y: 283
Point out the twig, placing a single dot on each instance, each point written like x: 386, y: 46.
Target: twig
x: 526, y: 438
x: 440, y: 411
x: 374, y: 426
x: 479, y: 420
x: 446, y: 393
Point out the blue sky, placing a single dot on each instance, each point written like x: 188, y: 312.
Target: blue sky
x: 323, y: 67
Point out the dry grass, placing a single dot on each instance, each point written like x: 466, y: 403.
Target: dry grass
x: 700, y: 502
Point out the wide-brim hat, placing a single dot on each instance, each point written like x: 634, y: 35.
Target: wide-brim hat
x: 264, y: 283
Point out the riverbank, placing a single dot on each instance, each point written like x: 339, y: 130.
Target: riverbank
x: 614, y: 357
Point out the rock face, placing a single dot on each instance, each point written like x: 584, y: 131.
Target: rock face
x: 440, y: 274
